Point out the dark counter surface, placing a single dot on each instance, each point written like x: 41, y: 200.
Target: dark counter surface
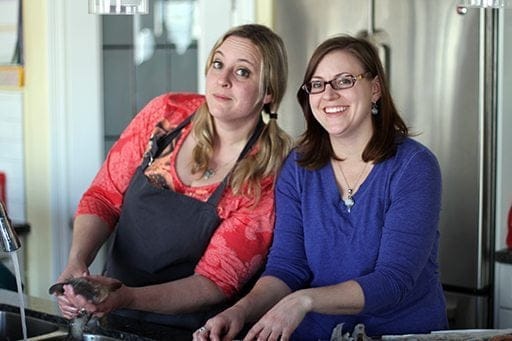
x: 113, y: 326
x: 21, y: 228
x: 504, y: 256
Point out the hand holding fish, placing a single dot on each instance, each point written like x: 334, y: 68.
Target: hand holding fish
x: 85, y: 293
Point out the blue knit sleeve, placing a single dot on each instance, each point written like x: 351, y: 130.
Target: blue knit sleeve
x: 410, y: 234
x: 287, y: 259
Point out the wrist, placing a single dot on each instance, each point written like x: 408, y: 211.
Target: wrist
x: 242, y: 309
x: 128, y: 297
x: 305, y: 299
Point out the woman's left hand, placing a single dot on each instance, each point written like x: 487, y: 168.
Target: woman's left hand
x: 281, y: 321
x: 113, y: 299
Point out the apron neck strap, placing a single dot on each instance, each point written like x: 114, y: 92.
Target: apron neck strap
x: 215, y: 197
x: 159, y: 145
x: 167, y: 139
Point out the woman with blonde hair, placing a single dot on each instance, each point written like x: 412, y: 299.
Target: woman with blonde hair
x: 188, y: 191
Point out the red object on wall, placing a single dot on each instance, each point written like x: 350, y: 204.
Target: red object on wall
x: 509, y: 235
x: 3, y: 195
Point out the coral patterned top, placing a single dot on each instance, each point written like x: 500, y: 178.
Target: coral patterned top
x: 239, y: 246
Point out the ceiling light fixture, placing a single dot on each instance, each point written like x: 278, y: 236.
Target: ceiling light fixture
x: 121, y: 7
x: 487, y: 3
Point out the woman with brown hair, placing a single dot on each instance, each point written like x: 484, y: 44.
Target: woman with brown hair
x: 357, y: 212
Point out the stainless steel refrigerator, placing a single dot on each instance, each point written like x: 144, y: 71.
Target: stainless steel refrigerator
x: 441, y: 64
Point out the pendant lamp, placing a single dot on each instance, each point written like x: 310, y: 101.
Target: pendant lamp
x: 487, y: 3
x: 121, y: 7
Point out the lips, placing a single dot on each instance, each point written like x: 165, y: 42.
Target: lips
x: 335, y: 110
x: 221, y: 97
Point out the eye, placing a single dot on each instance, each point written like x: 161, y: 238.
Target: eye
x: 242, y: 72
x: 344, y: 82
x: 316, y: 84
x: 216, y: 64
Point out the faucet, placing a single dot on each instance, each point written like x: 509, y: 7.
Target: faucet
x: 8, y: 238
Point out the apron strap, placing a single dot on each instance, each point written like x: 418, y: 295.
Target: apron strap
x: 167, y: 139
x: 215, y: 197
x: 159, y: 145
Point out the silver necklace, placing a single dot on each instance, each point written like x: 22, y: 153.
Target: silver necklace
x: 349, y: 201
x: 210, y: 172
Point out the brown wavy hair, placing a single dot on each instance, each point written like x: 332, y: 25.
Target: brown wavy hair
x: 274, y: 143
x: 314, y: 146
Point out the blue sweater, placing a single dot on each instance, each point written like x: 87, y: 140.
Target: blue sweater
x: 388, y: 242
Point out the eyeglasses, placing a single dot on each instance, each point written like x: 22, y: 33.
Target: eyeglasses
x: 342, y: 81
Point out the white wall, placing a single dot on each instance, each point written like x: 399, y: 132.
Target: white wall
x: 75, y: 113
x: 504, y: 174
x: 503, y: 272
x: 12, y: 153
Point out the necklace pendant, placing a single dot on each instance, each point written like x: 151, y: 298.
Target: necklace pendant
x: 208, y: 173
x: 349, y: 202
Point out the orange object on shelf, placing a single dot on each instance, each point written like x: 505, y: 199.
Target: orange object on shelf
x: 11, y: 75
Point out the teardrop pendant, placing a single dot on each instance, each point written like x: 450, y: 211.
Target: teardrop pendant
x: 208, y: 173
x: 349, y: 202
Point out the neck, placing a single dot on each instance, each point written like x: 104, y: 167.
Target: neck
x: 350, y: 148
x: 233, y: 133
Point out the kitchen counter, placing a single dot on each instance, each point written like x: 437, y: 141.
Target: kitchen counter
x: 110, y: 325
x: 130, y: 330
x: 21, y: 228
x: 504, y: 256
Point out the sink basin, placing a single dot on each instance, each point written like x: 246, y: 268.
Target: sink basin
x: 10, y: 326
x: 45, y: 326
x: 37, y: 329
x: 86, y: 337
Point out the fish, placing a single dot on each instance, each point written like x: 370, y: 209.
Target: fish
x: 92, y: 291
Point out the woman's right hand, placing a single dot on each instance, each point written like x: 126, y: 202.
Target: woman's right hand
x: 73, y: 269
x: 224, y: 326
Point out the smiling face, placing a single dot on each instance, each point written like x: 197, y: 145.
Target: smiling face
x: 234, y: 89
x: 344, y: 113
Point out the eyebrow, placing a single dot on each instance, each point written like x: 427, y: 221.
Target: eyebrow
x: 239, y: 59
x: 335, y: 76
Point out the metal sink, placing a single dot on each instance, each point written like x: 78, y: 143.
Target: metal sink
x: 86, y: 337
x: 10, y: 326
x: 42, y: 326
x: 37, y: 329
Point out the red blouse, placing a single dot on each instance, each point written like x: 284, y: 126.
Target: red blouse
x: 239, y: 246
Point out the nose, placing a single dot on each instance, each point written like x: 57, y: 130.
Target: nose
x: 223, y: 79
x: 329, y: 92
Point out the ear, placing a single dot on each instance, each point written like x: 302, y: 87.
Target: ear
x: 376, y: 89
x: 268, y: 98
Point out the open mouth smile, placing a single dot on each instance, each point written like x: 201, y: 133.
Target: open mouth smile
x: 335, y: 110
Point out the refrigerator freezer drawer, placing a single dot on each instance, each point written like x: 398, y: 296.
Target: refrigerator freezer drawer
x: 504, y: 276
x: 504, y: 318
x: 467, y: 311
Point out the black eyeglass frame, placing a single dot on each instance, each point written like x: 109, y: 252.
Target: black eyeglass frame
x: 333, y: 82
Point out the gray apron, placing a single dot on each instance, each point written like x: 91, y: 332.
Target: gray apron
x: 162, y: 234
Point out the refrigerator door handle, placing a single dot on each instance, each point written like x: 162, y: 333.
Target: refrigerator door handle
x: 379, y: 39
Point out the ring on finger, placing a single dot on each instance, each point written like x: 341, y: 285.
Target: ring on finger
x: 202, y: 329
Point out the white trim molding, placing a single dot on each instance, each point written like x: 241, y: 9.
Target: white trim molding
x: 76, y: 118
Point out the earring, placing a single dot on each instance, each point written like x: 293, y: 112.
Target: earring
x: 375, y: 109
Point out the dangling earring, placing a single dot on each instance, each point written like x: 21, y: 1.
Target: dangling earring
x: 375, y: 109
